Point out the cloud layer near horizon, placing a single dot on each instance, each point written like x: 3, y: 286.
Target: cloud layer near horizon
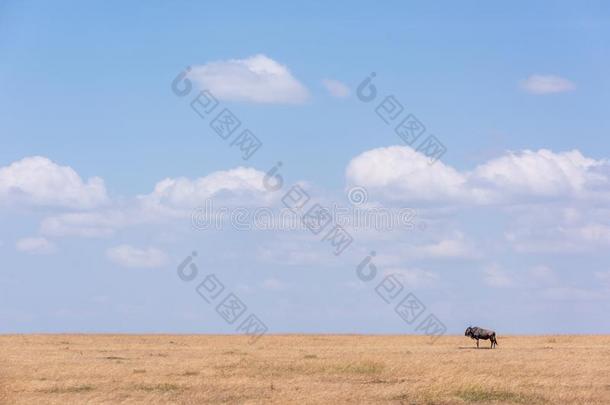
x: 395, y: 174
x: 548, y: 205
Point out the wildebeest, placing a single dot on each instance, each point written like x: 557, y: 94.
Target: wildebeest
x: 474, y: 332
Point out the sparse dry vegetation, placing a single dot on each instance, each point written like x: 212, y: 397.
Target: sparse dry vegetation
x: 77, y: 369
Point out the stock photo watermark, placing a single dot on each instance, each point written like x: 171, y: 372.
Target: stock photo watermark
x: 326, y: 223
x: 409, y: 308
x: 228, y: 306
x: 209, y: 216
x: 225, y: 124
x: 317, y: 219
x: 407, y: 127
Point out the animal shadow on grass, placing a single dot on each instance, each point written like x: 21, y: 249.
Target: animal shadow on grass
x: 164, y: 387
x: 68, y: 390
x: 487, y: 395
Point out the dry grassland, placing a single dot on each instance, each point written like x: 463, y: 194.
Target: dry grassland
x: 303, y: 369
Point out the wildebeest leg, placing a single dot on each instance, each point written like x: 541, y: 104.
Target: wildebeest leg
x: 477, y: 343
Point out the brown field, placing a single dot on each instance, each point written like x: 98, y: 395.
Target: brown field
x: 304, y: 369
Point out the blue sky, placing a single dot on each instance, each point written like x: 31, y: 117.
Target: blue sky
x: 102, y: 164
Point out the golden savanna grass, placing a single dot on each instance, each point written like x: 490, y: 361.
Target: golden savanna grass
x: 303, y: 369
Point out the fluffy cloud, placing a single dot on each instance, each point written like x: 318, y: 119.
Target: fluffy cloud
x: 35, y: 246
x: 546, y: 84
x: 257, y: 79
x: 544, y: 173
x: 129, y: 256
x: 335, y: 88
x: 39, y: 181
x: 400, y: 173
x: 240, y: 185
x: 171, y: 199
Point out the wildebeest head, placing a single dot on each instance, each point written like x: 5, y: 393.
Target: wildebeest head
x: 468, y: 331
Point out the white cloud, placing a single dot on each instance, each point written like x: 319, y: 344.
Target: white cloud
x: 84, y: 224
x: 406, y: 250
x: 128, y: 256
x: 240, y: 185
x: 171, y: 198
x: 543, y: 173
x: 400, y: 173
x: 547, y: 84
x: 257, y: 79
x: 273, y: 284
x: 595, y: 233
x: 413, y: 277
x: 447, y: 248
x: 35, y: 246
x: 336, y: 88
x: 544, y: 282
x: 496, y: 277
x: 39, y: 181
x: 543, y: 229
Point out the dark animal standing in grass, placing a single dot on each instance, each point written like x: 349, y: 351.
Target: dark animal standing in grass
x: 474, y: 332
